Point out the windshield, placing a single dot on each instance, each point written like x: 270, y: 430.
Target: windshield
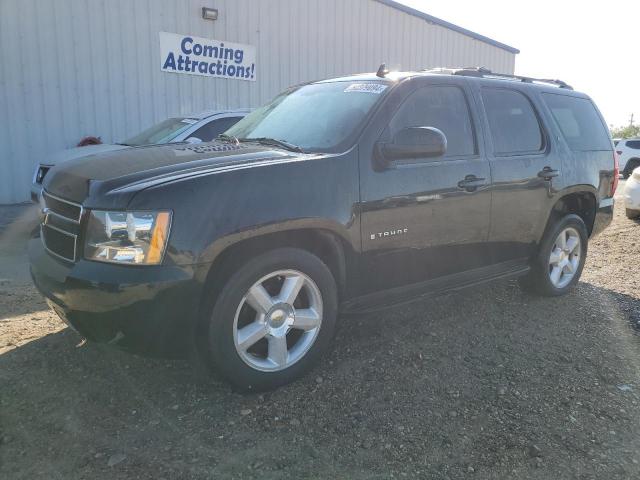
x: 316, y: 117
x: 163, y: 132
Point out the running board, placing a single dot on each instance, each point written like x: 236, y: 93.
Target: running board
x: 406, y: 294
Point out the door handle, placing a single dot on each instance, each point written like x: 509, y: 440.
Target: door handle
x: 471, y: 183
x: 548, y: 173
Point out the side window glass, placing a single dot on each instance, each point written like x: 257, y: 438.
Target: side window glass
x: 443, y: 107
x: 211, y: 130
x: 635, y: 144
x: 513, y: 122
x: 579, y: 122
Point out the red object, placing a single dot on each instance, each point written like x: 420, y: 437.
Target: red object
x: 616, y: 173
x: 89, y: 141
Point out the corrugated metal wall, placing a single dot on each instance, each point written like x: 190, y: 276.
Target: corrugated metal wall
x: 72, y: 68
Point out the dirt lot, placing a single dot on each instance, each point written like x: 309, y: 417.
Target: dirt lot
x: 488, y: 383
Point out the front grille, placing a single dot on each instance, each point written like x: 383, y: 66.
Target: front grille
x: 63, y: 208
x: 60, y: 243
x: 60, y: 226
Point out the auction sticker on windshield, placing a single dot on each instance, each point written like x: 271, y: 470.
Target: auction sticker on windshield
x: 376, y: 88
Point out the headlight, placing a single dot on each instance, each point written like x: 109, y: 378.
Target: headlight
x: 138, y: 238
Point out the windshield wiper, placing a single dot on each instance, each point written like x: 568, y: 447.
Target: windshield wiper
x: 228, y: 138
x: 273, y: 141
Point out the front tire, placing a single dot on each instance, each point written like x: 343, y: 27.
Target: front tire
x: 273, y: 319
x: 558, y: 265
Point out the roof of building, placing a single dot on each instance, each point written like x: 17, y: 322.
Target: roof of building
x: 444, y: 23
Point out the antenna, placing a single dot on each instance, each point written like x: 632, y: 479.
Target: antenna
x: 382, y: 70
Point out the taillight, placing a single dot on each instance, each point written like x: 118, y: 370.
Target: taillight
x: 616, y: 174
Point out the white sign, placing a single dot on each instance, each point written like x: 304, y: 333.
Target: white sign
x: 376, y: 88
x: 207, y: 57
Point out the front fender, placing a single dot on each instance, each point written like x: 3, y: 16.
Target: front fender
x: 214, y: 211
x: 213, y: 251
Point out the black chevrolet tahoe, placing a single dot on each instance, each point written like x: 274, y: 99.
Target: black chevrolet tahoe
x: 344, y: 195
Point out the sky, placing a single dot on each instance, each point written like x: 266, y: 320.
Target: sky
x: 593, y: 46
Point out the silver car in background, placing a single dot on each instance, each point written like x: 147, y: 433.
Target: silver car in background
x: 201, y: 127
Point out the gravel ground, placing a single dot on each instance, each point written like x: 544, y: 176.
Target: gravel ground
x: 488, y: 383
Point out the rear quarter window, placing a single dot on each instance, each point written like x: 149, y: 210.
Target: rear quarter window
x: 579, y: 122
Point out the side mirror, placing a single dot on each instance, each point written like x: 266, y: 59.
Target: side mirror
x: 414, y: 142
x: 193, y: 140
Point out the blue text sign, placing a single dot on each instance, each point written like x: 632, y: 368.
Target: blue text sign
x: 207, y: 57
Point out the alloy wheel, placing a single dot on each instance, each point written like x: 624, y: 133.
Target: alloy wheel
x: 277, y: 320
x: 564, y: 259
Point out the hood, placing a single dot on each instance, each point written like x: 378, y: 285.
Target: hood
x: 111, y: 179
x: 77, y: 152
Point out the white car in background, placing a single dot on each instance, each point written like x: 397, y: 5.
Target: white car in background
x: 202, y: 127
x: 628, y: 150
x: 632, y: 195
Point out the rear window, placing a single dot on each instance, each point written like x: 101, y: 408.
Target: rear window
x: 514, y: 126
x: 579, y: 122
x: 214, y: 128
x: 635, y: 144
x: 162, y: 132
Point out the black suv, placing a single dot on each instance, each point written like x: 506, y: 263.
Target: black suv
x: 342, y: 195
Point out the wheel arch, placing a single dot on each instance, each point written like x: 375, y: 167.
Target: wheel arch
x: 581, y: 200
x: 324, y: 242
x: 633, y: 161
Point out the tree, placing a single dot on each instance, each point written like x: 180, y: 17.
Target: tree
x: 625, y: 132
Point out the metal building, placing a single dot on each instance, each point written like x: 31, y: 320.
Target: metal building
x: 72, y: 68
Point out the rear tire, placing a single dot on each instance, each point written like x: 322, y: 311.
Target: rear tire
x: 560, y: 259
x: 272, y: 320
x: 632, y: 214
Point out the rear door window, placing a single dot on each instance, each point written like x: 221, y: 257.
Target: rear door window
x: 443, y: 107
x: 579, y: 122
x: 514, y: 125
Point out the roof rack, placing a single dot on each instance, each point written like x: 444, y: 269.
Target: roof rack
x: 483, y: 72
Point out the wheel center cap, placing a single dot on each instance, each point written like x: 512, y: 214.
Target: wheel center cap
x: 277, y: 318
x: 279, y: 315
x: 562, y: 255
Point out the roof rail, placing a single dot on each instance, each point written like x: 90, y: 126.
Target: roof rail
x: 483, y: 72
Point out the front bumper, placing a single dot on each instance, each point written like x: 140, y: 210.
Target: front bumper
x: 146, y: 309
x: 604, y: 216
